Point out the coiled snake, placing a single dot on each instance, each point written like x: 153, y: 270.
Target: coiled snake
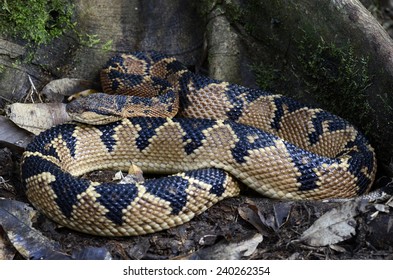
x: 271, y: 143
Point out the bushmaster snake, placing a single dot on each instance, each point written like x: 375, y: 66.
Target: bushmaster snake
x: 272, y: 143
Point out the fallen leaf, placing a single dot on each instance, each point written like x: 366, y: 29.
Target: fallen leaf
x: 55, y: 90
x: 92, y: 253
x: 337, y: 248
x: 12, y: 136
x: 37, y: 117
x: 15, y: 219
x: 7, y: 251
x: 390, y: 202
x: 282, y: 211
x: 382, y: 208
x: 334, y: 226
x: 224, y: 250
x: 250, y: 213
x: 265, y: 220
x: 207, y: 239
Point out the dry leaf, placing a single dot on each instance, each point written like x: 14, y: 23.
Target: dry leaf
x: 229, y: 251
x: 337, y: 248
x: 332, y: 227
x: 264, y: 220
x: 37, y: 117
x: 249, y: 212
x: 12, y: 136
x: 15, y: 219
x: 282, y: 211
x: 55, y: 90
x: 91, y: 253
x: 7, y: 251
x: 382, y: 208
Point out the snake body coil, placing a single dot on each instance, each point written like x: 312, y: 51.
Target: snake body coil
x: 273, y: 144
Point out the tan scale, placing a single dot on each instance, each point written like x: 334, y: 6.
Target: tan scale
x: 159, y: 68
x: 44, y: 196
x: 276, y: 177
x: 221, y: 138
x: 199, y: 199
x: 88, y: 152
x: 201, y: 99
x: 259, y: 113
x: 148, y: 213
x: 329, y: 176
x: 159, y: 160
x: 90, y: 211
x: 296, y: 132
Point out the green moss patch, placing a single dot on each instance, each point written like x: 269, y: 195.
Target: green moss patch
x: 37, y: 21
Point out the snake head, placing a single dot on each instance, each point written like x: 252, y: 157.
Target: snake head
x: 96, y: 108
x: 102, y: 108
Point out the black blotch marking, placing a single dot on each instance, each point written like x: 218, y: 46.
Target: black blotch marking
x: 197, y: 80
x: 41, y: 143
x: 239, y: 96
x: 115, y: 198
x: 171, y: 189
x: 175, y: 66
x: 114, y: 61
x: 194, y: 132
x: 107, y: 137
x: 149, y: 126
x: 128, y: 79
x: 138, y: 100
x: 334, y: 123
x: 53, y: 152
x: 68, y: 138
x: 115, y: 85
x: 244, y: 133
x: 168, y: 98
x: 212, y: 176
x: 281, y: 103
x: 360, y: 155
x: 66, y: 187
x: 160, y: 84
x: 305, y: 162
x: 355, y: 162
x: 232, y: 94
